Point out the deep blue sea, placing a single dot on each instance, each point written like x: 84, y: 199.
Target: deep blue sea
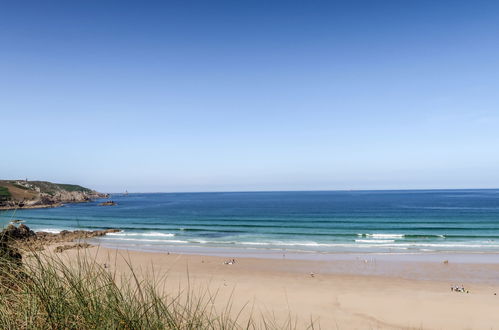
x: 332, y: 221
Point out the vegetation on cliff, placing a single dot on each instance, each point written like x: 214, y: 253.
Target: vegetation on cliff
x: 53, y: 188
x: 4, y: 194
x: 23, y: 193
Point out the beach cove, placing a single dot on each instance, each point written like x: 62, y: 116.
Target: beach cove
x: 304, y: 290
x: 345, y: 260
x: 296, y: 291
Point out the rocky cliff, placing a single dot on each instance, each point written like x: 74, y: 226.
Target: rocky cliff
x: 33, y: 194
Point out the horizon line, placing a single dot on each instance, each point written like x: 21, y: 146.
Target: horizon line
x: 314, y: 190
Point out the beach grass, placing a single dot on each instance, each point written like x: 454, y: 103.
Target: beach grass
x: 45, y: 292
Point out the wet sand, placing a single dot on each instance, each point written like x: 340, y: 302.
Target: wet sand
x: 340, y: 294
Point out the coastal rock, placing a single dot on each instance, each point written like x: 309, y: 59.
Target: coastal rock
x: 24, y: 238
x: 78, y: 246
x: 9, y: 252
x: 16, y: 233
x: 67, y: 236
x: 108, y: 203
x: 7, y: 237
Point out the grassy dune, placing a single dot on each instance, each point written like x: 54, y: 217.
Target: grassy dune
x: 46, y: 293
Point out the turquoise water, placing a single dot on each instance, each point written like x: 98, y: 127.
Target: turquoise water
x: 346, y: 221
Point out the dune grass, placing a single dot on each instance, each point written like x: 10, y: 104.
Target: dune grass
x: 46, y: 293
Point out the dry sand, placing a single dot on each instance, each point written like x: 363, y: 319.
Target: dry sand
x: 285, y: 288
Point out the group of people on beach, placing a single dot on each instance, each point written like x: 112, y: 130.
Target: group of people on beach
x: 230, y: 262
x: 457, y: 288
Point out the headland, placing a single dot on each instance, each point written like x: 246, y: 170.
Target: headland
x: 26, y: 194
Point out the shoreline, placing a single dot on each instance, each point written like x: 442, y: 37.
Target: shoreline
x: 316, y: 290
x: 346, y: 291
x: 476, y: 267
x: 277, y: 253
x: 459, y: 267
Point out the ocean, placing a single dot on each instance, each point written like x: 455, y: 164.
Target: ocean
x: 415, y: 221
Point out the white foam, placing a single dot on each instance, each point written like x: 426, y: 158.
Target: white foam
x: 449, y: 245
x: 432, y: 245
x: 374, y: 241
x: 386, y: 235
x: 367, y: 241
x: 380, y: 235
x: 159, y: 234
x: 280, y: 243
x: 255, y: 243
x: 151, y: 234
x: 50, y: 230
x: 175, y: 241
x: 371, y: 243
x: 143, y: 240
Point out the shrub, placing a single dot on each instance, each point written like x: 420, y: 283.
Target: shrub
x: 4, y: 194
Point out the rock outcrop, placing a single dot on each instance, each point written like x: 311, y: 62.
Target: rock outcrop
x: 77, y: 246
x: 8, y: 236
x: 108, y: 203
x: 69, y: 236
x: 14, y: 240
x: 23, y: 238
x: 13, y: 233
x: 9, y: 252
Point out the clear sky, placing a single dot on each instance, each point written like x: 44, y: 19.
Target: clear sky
x: 250, y: 95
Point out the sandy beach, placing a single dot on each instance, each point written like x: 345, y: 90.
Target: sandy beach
x: 410, y: 294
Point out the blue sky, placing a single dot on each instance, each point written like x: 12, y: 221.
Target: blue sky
x: 251, y: 95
